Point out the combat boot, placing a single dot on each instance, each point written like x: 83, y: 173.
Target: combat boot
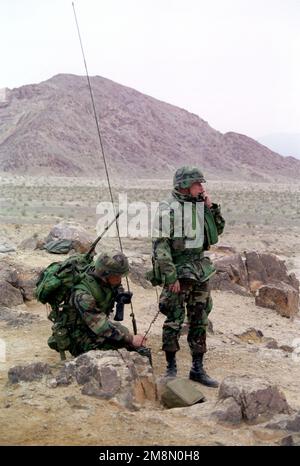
x: 171, y: 364
x: 198, y: 374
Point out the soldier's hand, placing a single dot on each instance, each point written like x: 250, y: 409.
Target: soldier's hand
x: 138, y: 340
x: 207, y: 199
x: 175, y: 287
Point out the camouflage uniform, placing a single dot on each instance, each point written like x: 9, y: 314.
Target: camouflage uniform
x: 174, y: 261
x: 198, y: 302
x: 93, y: 300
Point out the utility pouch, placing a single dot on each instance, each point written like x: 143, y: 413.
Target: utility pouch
x: 207, y: 269
x: 60, y: 340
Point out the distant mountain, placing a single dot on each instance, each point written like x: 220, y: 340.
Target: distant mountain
x: 49, y: 129
x: 283, y: 143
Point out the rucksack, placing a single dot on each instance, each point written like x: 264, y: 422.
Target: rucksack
x: 56, y: 281
x: 54, y: 287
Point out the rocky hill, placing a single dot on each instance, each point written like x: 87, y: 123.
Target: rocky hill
x: 49, y: 128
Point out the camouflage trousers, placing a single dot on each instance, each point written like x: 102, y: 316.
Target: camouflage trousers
x: 195, y: 298
x: 86, y: 340
x: 78, y: 339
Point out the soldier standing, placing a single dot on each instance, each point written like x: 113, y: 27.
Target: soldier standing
x: 183, y: 270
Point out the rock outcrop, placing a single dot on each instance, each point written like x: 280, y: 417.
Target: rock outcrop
x: 81, y: 239
x: 249, y: 399
x: 231, y: 274
x: 261, y: 274
x: 265, y: 268
x: 28, y: 372
x: 122, y: 375
x: 17, y: 282
x: 281, y: 297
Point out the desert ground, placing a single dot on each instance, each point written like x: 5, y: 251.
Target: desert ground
x: 259, y: 216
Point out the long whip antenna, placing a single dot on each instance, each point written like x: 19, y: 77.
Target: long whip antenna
x: 103, y: 156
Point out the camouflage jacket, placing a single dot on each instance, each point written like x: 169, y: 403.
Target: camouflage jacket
x: 176, y: 255
x: 94, y: 301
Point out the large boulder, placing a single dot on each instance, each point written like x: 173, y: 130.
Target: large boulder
x: 228, y: 410
x: 257, y: 274
x: 231, y: 274
x: 9, y: 295
x: 262, y: 274
x: 265, y: 268
x: 249, y: 398
x: 25, y: 278
x: 290, y: 423
x: 122, y: 375
x: 81, y: 239
x: 280, y: 296
x: 17, y: 282
x: 31, y: 243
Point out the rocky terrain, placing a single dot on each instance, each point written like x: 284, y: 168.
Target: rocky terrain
x: 253, y: 350
x: 49, y: 129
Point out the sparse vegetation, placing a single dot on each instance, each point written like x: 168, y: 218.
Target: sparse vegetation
x: 251, y: 210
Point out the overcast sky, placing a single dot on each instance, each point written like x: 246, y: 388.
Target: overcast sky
x: 235, y: 63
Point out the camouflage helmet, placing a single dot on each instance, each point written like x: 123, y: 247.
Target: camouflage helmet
x: 185, y: 176
x: 112, y: 263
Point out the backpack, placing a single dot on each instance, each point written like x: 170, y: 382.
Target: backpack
x: 55, y: 282
x: 54, y: 287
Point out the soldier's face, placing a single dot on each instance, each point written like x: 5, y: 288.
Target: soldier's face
x: 114, y: 280
x: 196, y: 189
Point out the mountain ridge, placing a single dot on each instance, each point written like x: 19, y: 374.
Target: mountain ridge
x: 49, y: 128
